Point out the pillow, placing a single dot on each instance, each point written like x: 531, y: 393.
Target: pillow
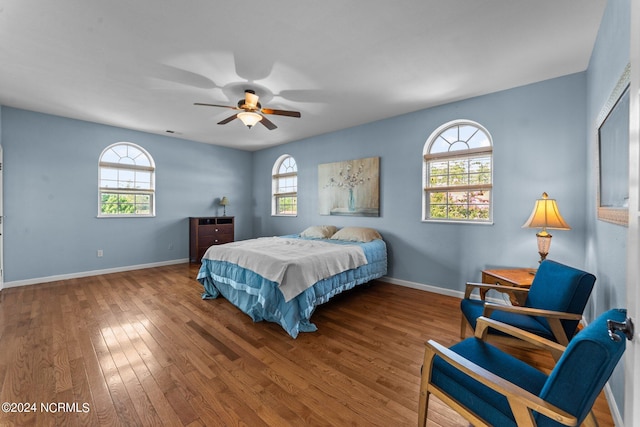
x: 319, y: 231
x: 357, y: 234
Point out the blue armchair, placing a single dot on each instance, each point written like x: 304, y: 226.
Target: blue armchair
x: 492, y: 388
x: 552, y: 309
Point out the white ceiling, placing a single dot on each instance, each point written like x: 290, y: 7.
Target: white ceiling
x: 141, y: 64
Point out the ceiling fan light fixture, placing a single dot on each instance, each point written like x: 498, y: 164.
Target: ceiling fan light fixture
x: 250, y: 109
x: 249, y: 118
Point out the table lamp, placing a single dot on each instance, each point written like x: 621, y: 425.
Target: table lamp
x: 545, y: 215
x: 224, y: 202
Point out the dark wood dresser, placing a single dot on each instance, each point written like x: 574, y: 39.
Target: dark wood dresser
x: 208, y: 231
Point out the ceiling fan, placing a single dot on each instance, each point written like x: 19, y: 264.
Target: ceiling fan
x: 250, y: 111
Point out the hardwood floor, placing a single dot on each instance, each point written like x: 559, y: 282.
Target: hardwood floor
x: 142, y: 348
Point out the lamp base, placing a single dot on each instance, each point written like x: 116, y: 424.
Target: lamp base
x: 543, y: 256
x: 544, y: 243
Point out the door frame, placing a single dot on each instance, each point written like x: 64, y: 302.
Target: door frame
x: 632, y: 353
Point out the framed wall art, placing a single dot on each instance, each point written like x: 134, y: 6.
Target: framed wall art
x: 613, y: 155
x: 350, y: 188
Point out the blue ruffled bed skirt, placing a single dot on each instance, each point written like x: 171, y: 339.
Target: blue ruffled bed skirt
x: 262, y: 300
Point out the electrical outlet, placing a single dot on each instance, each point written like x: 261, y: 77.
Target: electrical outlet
x: 100, y: 253
x: 170, y: 246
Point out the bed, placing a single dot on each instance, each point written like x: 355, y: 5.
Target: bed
x: 283, y: 279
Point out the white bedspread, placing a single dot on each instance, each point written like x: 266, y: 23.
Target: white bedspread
x: 295, y: 264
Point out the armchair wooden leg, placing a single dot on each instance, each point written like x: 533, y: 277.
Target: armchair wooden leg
x: 463, y: 327
x: 423, y: 405
x: 424, y: 408
x: 590, y: 420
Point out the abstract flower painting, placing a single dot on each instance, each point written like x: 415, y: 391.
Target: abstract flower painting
x: 350, y: 188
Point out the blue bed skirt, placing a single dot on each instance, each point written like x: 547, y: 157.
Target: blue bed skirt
x: 262, y: 300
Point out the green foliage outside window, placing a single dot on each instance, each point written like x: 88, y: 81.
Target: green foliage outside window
x: 460, y: 205
x: 460, y: 172
x: 466, y: 203
x: 125, y: 204
x: 287, y: 205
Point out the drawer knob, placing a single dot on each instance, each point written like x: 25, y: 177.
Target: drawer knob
x: 216, y: 229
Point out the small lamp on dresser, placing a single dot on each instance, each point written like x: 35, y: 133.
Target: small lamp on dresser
x: 545, y: 215
x: 224, y: 202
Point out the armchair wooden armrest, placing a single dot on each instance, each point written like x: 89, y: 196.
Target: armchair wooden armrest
x: 553, y: 317
x: 484, y: 323
x: 522, y: 402
x: 483, y: 288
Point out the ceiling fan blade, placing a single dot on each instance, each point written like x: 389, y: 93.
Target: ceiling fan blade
x: 280, y: 112
x: 228, y: 119
x: 216, y: 105
x: 268, y: 123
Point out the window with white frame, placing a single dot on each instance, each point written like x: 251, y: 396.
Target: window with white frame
x: 126, y: 181
x: 458, y: 174
x: 285, y: 186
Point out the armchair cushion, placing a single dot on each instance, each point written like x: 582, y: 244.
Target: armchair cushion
x: 473, y: 309
x: 477, y: 397
x: 556, y: 287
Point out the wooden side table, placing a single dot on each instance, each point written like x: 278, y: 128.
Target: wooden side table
x: 517, y: 277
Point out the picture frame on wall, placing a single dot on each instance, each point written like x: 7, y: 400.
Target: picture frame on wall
x: 350, y: 188
x: 612, y: 197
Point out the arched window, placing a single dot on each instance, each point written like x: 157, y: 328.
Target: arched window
x: 285, y: 186
x: 126, y: 183
x: 458, y: 173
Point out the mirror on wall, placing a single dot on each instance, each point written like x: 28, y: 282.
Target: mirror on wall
x: 613, y: 155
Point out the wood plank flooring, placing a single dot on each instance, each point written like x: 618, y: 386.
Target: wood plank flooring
x: 142, y: 348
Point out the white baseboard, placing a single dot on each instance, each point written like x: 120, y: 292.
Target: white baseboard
x: 48, y: 279
x: 613, y: 407
x: 433, y: 288
x: 423, y: 287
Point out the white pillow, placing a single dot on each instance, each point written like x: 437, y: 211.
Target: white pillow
x: 319, y: 231
x: 357, y: 234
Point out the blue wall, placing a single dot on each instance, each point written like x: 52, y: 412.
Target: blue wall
x: 539, y: 145
x: 538, y: 133
x: 51, y: 196
x: 607, y: 243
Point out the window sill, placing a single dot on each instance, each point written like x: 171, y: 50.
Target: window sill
x: 452, y: 221
x: 125, y: 216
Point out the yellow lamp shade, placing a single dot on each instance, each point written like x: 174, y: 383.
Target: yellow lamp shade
x: 546, y: 215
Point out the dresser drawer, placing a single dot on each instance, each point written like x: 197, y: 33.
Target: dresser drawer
x: 215, y: 239
x: 215, y: 230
